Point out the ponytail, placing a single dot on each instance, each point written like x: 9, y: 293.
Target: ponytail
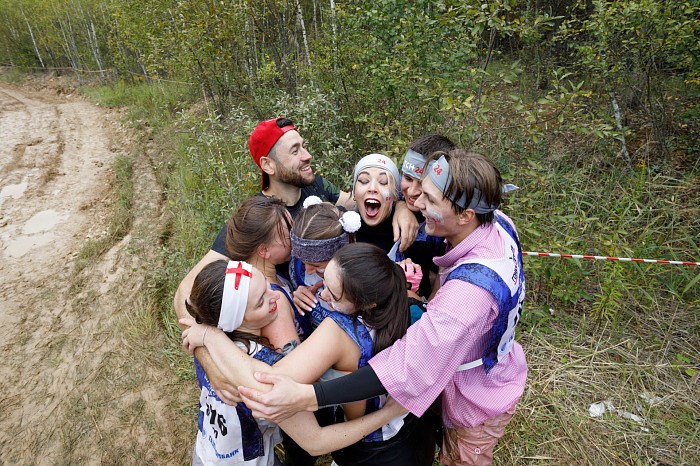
x: 391, y: 318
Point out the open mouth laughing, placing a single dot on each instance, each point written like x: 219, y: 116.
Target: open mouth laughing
x: 372, y: 207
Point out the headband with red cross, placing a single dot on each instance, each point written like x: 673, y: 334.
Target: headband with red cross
x: 235, y: 296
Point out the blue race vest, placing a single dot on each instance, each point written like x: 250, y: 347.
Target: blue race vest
x: 505, y: 280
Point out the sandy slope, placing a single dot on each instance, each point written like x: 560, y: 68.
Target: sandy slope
x: 83, y: 379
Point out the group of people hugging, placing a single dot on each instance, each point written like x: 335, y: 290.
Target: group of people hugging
x: 377, y: 324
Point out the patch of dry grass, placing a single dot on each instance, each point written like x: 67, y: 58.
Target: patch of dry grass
x: 580, y: 363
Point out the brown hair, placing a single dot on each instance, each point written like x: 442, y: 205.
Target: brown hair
x: 427, y: 145
x: 204, y: 303
x: 377, y: 288
x: 257, y: 220
x: 320, y: 221
x: 471, y: 170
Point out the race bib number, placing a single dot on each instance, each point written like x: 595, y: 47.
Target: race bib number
x: 216, y: 427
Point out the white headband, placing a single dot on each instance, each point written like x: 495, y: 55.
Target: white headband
x: 235, y: 296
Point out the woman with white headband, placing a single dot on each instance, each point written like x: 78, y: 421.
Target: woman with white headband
x: 258, y: 233
x: 375, y: 188
x: 367, y: 294
x: 236, y: 299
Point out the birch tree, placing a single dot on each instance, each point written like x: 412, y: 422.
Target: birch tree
x: 303, y: 32
x: 36, y: 48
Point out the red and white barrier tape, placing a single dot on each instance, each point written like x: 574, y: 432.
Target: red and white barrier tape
x: 622, y: 259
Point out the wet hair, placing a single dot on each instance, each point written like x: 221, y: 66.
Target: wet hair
x: 471, y: 170
x: 257, y: 220
x: 205, y: 301
x: 377, y: 288
x: 320, y: 221
x: 428, y: 145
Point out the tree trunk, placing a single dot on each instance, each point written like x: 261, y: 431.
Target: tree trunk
x: 36, y: 49
x: 618, y: 121
x: 96, y: 49
x: 303, y: 32
x: 71, y: 35
x: 9, y: 55
x: 66, y: 44
x: 335, y: 44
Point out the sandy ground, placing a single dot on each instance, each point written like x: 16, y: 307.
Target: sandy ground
x: 83, y: 378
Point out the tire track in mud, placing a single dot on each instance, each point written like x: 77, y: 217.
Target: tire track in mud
x: 75, y: 388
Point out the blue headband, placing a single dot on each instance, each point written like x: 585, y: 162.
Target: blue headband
x: 439, y: 174
x: 317, y: 250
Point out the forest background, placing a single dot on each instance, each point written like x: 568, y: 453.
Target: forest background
x: 590, y: 107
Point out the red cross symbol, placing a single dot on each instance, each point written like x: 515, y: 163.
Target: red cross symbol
x: 239, y: 271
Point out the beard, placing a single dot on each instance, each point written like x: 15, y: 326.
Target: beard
x: 294, y: 177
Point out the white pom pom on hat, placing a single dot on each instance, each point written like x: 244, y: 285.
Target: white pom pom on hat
x: 311, y: 200
x: 351, y: 221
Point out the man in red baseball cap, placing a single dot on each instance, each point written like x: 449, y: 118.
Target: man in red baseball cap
x: 269, y: 142
x: 285, y: 165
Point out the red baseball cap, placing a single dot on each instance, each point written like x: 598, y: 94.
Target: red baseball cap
x: 264, y: 136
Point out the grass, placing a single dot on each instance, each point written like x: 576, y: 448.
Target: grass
x: 124, y: 188
x: 148, y: 105
x: 592, y: 331
x: 571, y: 368
x: 121, y: 220
x: 12, y: 75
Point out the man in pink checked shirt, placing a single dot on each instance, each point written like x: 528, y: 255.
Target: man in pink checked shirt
x: 463, y: 348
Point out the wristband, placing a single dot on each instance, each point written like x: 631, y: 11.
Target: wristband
x: 204, y: 334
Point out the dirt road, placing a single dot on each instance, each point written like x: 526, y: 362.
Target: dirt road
x: 83, y: 377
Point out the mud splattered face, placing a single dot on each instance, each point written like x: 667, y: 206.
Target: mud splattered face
x: 374, y: 195
x: 440, y: 219
x: 318, y: 268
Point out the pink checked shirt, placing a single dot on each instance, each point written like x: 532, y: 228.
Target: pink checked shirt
x: 416, y: 369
